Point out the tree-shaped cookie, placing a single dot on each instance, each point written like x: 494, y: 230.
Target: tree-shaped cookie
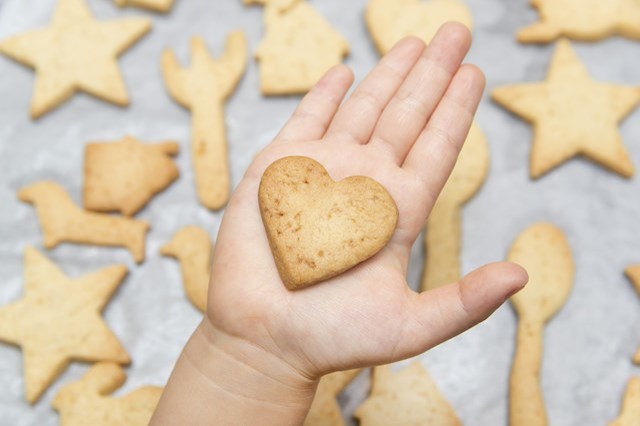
x: 191, y: 246
x: 443, y: 237
x: 388, y: 21
x: 61, y: 220
x: 587, y: 20
x: 630, y: 414
x: 58, y: 321
x: 633, y: 273
x: 88, y: 401
x: 75, y: 53
x: 298, y: 48
x: 572, y: 115
x: 203, y: 88
x: 124, y: 175
x: 408, y: 397
x: 162, y: 6
x: 544, y: 252
x: 325, y: 410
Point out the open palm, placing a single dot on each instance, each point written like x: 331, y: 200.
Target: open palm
x: 403, y: 126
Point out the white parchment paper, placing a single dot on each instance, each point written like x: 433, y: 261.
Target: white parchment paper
x: 588, y: 346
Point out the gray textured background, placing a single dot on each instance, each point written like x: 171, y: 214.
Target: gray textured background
x: 588, y: 346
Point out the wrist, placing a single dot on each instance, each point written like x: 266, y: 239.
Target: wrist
x: 225, y: 380
x: 245, y: 369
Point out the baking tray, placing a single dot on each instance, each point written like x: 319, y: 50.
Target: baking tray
x: 587, y: 347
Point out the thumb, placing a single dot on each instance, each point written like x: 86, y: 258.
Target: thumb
x: 440, y: 314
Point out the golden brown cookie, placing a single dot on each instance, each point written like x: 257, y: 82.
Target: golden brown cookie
x: 630, y: 414
x: 75, y: 53
x: 298, y: 49
x: 61, y: 220
x: 124, y: 175
x: 162, y: 6
x: 192, y: 247
x: 633, y: 273
x: 58, y: 321
x: 572, y: 115
x: 88, y: 401
x: 587, y: 20
x: 544, y: 252
x: 319, y: 228
x: 443, y: 233
x: 408, y: 397
x: 325, y: 410
x: 388, y: 21
x: 280, y: 4
x: 203, y: 88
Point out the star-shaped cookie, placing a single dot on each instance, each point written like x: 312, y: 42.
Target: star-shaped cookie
x: 587, y: 20
x: 572, y: 115
x: 75, y: 53
x: 58, y: 321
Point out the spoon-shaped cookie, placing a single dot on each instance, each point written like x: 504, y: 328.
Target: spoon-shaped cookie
x: 544, y: 252
x: 443, y: 233
x: 203, y: 88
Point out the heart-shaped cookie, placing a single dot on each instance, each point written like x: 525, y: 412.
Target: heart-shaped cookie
x: 318, y: 228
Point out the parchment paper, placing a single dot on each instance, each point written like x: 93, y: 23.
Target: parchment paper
x: 588, y: 346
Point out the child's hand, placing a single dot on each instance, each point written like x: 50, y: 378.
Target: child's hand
x: 403, y: 126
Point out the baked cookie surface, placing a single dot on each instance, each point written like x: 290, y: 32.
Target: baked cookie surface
x: 388, y: 21
x: 572, y: 115
x: 407, y: 397
x: 318, y: 228
x: 75, y: 53
x: 58, y: 321
x: 587, y: 20
x: 88, y: 400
